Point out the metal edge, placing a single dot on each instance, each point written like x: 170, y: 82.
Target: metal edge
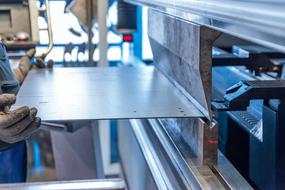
x: 33, y: 9
x: 110, y: 184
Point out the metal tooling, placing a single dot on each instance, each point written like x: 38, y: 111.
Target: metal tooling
x: 76, y: 94
x: 183, y: 52
x: 243, y: 19
x: 238, y: 96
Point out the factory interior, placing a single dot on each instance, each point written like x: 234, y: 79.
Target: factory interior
x: 142, y: 94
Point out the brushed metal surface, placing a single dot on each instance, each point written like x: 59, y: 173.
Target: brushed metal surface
x: 75, y: 94
x: 183, y: 52
x: 173, y: 157
x: 107, y: 184
x: 260, y: 21
x: 230, y: 174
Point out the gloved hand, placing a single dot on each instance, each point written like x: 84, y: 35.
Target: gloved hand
x: 40, y: 63
x: 16, y: 125
x: 25, y: 65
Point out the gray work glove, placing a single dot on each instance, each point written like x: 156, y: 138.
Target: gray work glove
x: 25, y: 65
x: 40, y: 63
x: 16, y: 125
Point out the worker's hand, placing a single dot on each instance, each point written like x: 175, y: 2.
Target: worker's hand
x: 25, y: 65
x: 16, y: 125
x: 40, y: 63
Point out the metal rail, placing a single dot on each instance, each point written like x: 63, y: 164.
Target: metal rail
x: 104, y: 184
x: 151, y: 156
x: 174, y: 166
x: 260, y: 21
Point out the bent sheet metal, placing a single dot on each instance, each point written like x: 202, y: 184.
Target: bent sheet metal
x: 75, y: 94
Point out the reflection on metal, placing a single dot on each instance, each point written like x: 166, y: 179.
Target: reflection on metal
x: 107, y: 184
x: 76, y: 94
x: 186, y: 165
x: 258, y: 21
x: 166, y: 152
x: 55, y: 126
x: 152, y: 159
x: 97, y: 150
x: 65, y: 126
x: 230, y: 175
x: 201, y: 137
x: 132, y: 167
x: 41, y: 165
x: 69, y: 154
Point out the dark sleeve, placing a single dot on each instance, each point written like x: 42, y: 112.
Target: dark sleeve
x: 8, y: 83
x: 4, y: 145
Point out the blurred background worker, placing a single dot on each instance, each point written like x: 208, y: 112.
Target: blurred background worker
x: 16, y: 125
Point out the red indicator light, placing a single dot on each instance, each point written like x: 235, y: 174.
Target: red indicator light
x: 127, y: 38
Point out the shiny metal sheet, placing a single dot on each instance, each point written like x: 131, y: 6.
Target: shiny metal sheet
x: 102, y: 184
x: 75, y: 94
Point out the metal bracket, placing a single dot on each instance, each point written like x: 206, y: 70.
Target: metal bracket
x: 237, y: 97
x: 255, y: 58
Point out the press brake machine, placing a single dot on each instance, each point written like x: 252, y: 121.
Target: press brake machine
x: 182, y: 35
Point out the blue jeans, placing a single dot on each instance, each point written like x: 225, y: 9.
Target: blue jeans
x: 13, y: 163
